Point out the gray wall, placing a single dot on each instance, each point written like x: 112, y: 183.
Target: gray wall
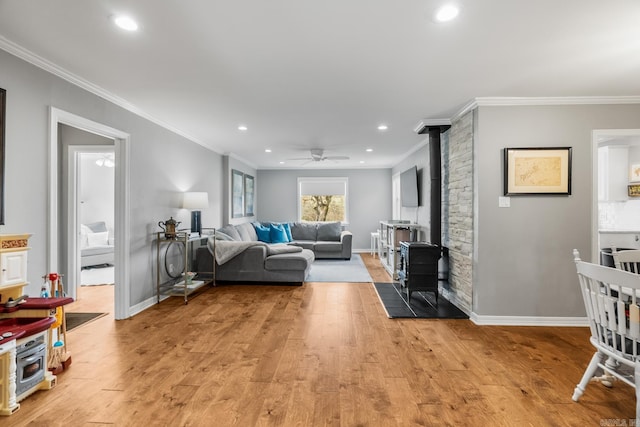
x: 421, y: 214
x: 163, y: 166
x: 369, y: 198
x: 523, y: 264
x: 230, y: 163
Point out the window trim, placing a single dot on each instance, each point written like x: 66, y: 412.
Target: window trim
x: 325, y: 179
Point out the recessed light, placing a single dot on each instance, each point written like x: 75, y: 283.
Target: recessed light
x: 242, y: 128
x: 383, y: 127
x: 282, y: 163
x: 369, y: 150
x: 361, y: 161
x: 446, y: 13
x: 126, y: 23
x: 267, y: 150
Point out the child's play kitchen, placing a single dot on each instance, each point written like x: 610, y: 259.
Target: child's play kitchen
x: 32, y: 330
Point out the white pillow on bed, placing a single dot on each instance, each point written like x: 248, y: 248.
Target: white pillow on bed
x: 98, y: 239
x: 84, y: 231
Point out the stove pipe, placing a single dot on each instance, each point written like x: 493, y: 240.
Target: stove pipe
x: 435, y: 167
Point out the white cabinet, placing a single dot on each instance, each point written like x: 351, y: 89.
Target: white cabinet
x: 613, y: 173
x: 13, y: 268
x: 628, y: 240
x: 13, y: 264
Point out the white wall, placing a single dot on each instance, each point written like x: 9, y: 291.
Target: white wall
x: 369, y: 198
x: 96, y: 191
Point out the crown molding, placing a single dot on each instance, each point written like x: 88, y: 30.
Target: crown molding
x: 241, y: 159
x: 424, y: 123
x: 30, y: 57
x: 497, y: 101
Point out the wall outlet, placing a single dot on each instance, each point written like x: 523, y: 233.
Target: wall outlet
x: 504, y: 202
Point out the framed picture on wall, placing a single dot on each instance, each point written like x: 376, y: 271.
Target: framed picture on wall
x: 537, y: 171
x: 237, y: 194
x: 634, y: 173
x: 3, y: 104
x: 248, y: 195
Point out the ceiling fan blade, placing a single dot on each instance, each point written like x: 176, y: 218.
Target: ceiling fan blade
x: 301, y: 158
x: 336, y: 158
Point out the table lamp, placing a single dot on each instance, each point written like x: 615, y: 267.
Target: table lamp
x: 196, y: 200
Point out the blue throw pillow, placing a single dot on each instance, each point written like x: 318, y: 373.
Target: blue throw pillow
x: 263, y: 233
x: 287, y: 229
x: 277, y: 234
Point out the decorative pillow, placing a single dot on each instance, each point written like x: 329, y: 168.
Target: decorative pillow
x: 329, y: 231
x: 287, y: 229
x: 84, y: 231
x: 263, y: 233
x: 277, y: 234
x: 98, y: 239
x: 97, y: 227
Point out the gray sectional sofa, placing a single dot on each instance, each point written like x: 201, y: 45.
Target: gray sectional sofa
x: 255, y: 261
x: 325, y: 239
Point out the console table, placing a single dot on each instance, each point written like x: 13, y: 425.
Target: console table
x: 177, y: 283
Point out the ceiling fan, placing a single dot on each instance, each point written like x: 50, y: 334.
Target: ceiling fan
x: 317, y: 155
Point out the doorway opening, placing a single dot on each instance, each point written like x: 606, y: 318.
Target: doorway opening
x: 64, y: 216
x: 615, y: 214
x: 92, y: 197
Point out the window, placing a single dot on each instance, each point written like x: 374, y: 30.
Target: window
x: 323, y: 199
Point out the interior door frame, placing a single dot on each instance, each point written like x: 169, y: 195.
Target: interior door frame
x: 73, y: 209
x: 596, y: 136
x: 122, y: 234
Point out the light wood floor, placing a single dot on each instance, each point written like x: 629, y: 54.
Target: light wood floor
x: 316, y: 355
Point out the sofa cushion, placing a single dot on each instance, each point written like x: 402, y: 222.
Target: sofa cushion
x: 326, y: 246
x: 263, y: 232
x: 305, y: 244
x: 223, y: 236
x: 329, y: 231
x: 277, y: 234
x: 247, y: 232
x: 304, y: 231
x: 231, y: 231
x: 298, y: 261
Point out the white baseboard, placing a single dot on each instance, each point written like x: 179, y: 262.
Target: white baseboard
x: 528, y: 320
x: 149, y: 302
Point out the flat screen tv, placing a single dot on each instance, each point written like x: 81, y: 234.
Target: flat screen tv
x: 409, y: 188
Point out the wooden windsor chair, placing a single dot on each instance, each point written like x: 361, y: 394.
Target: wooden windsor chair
x: 611, y: 297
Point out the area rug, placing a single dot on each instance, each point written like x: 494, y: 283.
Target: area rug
x: 95, y: 276
x: 73, y: 320
x: 423, y: 304
x: 339, y: 270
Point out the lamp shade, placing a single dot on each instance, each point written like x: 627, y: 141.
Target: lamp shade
x: 195, y: 200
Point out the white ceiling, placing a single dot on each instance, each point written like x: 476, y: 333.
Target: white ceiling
x: 324, y: 74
